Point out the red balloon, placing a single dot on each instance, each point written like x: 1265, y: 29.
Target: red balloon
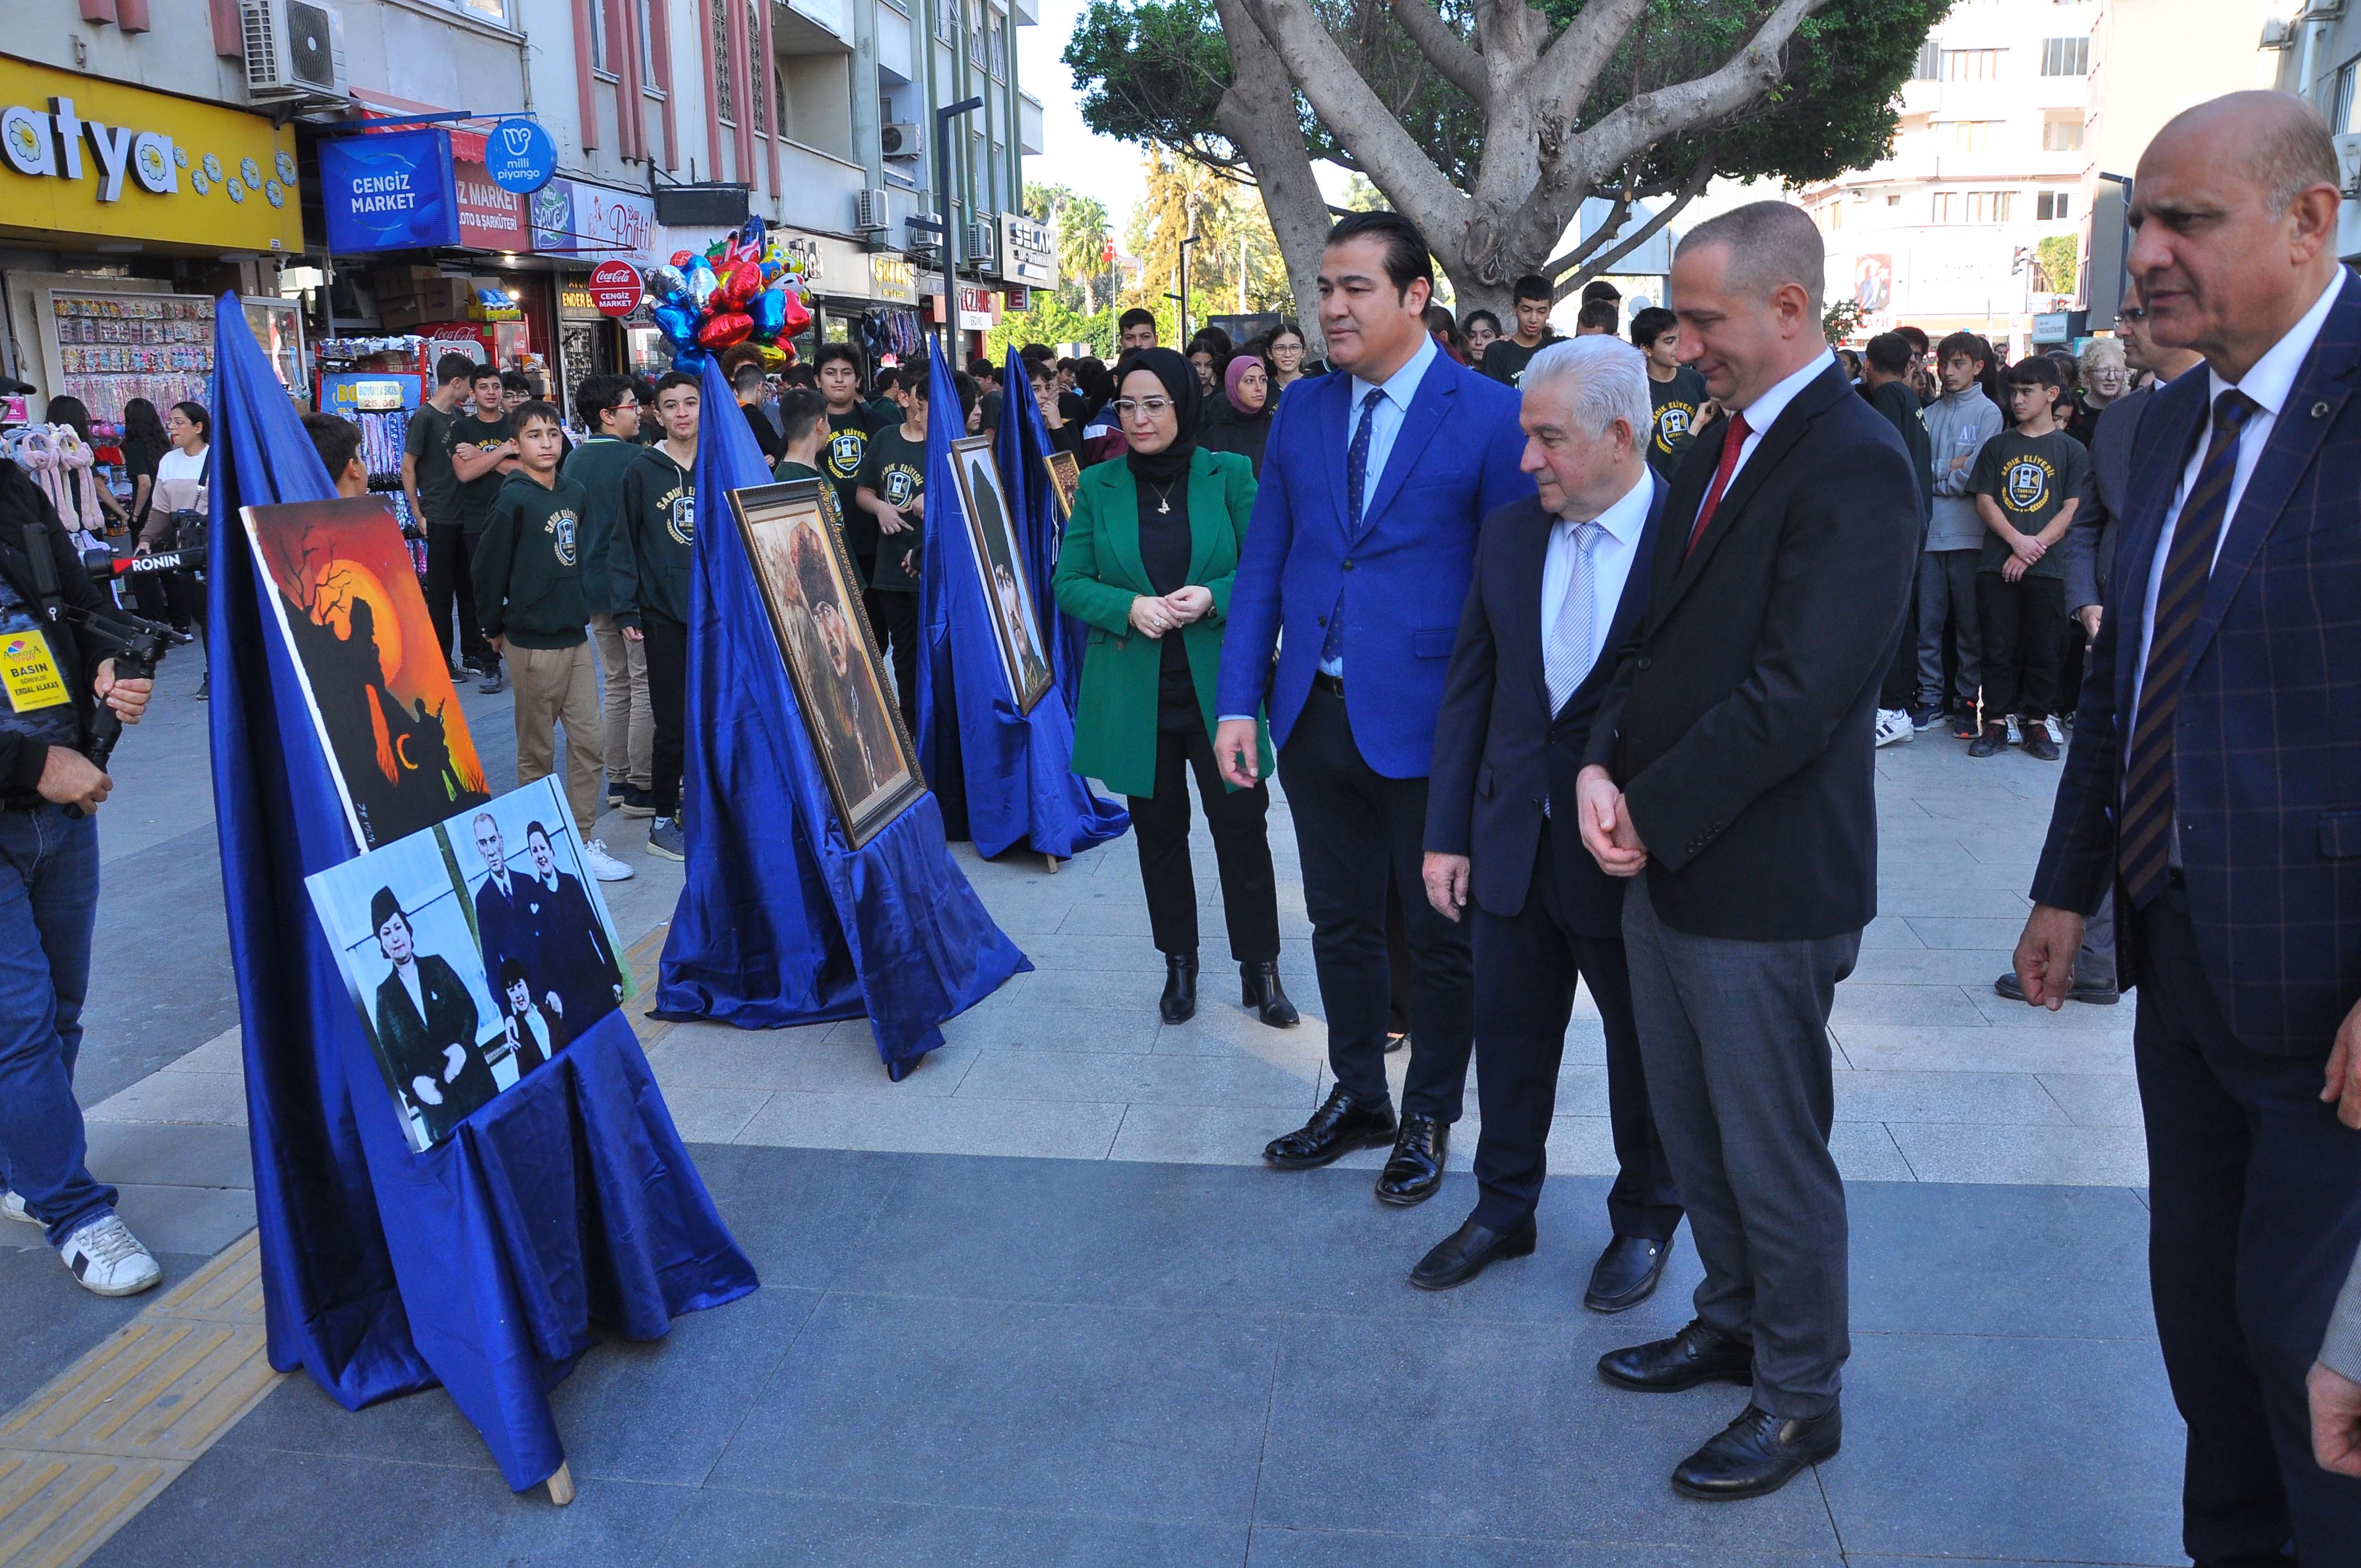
x: 739, y: 283
x: 724, y: 328
x: 681, y: 258
x: 797, y: 321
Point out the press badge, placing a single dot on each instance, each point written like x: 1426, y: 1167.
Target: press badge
x: 29, y: 673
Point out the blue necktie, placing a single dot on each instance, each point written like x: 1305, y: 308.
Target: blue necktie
x: 1357, y: 480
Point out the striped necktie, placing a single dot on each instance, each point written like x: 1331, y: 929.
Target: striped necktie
x: 2144, y: 836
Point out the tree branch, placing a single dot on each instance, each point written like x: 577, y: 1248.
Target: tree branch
x: 1444, y: 47
x: 1641, y: 122
x: 1699, y: 177
x: 1257, y: 116
x: 1572, y: 66
x: 1617, y: 216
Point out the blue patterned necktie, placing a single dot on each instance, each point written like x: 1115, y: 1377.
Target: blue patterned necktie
x: 2144, y: 837
x: 1568, y: 657
x: 1357, y: 480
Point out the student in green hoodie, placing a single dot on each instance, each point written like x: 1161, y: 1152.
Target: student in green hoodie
x: 609, y: 407
x: 529, y: 594
x: 804, y: 422
x: 653, y: 544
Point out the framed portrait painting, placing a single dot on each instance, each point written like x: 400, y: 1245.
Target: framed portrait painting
x: 1000, y: 569
x: 1065, y: 478
x: 808, y: 584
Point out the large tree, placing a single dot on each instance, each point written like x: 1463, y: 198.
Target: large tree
x: 1490, y: 122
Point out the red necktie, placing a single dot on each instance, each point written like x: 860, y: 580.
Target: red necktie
x: 1732, y: 439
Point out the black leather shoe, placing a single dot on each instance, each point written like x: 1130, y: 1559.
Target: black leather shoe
x: 1180, y: 1003
x: 1338, y: 1128
x: 1415, y: 1170
x: 1626, y: 1274
x: 1696, y: 1355
x: 1464, y: 1252
x: 2097, y: 992
x: 1266, y: 996
x: 1757, y: 1453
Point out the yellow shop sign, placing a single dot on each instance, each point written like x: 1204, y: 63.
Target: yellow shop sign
x: 81, y: 158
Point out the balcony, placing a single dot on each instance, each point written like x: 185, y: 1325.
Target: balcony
x: 812, y: 26
x: 1028, y: 123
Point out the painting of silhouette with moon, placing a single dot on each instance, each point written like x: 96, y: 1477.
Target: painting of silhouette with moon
x: 373, y: 675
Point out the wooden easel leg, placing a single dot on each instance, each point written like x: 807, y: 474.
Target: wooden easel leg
x: 1053, y: 863
x: 561, y: 1486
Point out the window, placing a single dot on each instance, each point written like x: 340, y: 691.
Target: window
x: 1969, y: 136
x: 1894, y: 201
x: 647, y: 45
x: 2053, y: 207
x: 1931, y: 63
x: 2340, y: 99
x: 490, y: 10
x: 1972, y: 64
x: 2061, y: 135
x: 999, y: 46
x: 1973, y: 206
x: 598, y: 39
x: 724, y: 105
x: 758, y: 101
x: 2066, y: 56
x: 974, y: 34
x: 946, y: 22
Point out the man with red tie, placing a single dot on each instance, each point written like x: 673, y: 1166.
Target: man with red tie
x: 1729, y: 773
x: 2214, y: 785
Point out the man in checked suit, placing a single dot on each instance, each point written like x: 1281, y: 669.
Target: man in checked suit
x: 1733, y: 762
x: 2214, y: 786
x: 1374, y: 483
x: 1561, y: 578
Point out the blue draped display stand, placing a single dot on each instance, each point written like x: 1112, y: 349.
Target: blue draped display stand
x: 1023, y: 449
x: 483, y: 1262
x: 1021, y: 789
x: 780, y: 922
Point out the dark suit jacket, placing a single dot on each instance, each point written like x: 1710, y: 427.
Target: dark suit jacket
x: 1738, y: 723
x: 1399, y: 576
x: 1499, y: 750
x: 414, y: 1044
x: 2267, y: 756
x: 504, y: 926
x: 2090, y: 543
x: 570, y: 953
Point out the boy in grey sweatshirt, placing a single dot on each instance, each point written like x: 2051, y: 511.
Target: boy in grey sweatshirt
x: 1958, y: 424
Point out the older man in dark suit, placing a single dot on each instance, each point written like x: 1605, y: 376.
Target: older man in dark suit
x: 1733, y: 762
x: 2214, y: 787
x: 1561, y: 578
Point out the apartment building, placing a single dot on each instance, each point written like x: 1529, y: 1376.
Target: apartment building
x: 2314, y: 48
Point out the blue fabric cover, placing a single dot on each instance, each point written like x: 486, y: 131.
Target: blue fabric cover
x: 1024, y: 442
x: 780, y: 923
x: 483, y: 1262
x: 1021, y: 787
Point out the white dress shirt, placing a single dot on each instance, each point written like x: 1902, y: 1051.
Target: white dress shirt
x: 1764, y: 411
x: 1612, y: 552
x: 2268, y: 382
x: 1385, y: 424
x: 410, y: 984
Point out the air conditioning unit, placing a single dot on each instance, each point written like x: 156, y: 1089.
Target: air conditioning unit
x: 2278, y: 35
x: 869, y: 213
x: 2348, y: 164
x: 901, y: 139
x: 982, y: 240
x: 2322, y: 11
x: 294, y: 51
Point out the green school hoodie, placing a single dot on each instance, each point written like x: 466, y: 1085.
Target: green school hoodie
x: 597, y: 466
x: 528, y: 565
x: 655, y: 540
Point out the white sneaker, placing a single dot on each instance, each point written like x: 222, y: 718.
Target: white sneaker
x: 13, y: 1207
x: 1894, y: 727
x: 2015, y: 731
x: 604, y: 866
x: 2057, y: 735
x: 107, y: 1259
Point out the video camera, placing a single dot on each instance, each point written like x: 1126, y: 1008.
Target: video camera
x: 137, y: 647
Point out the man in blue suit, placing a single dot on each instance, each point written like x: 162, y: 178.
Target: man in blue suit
x: 2214, y: 785
x: 1561, y: 579
x: 1360, y: 549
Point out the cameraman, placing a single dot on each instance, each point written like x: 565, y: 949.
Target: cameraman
x: 49, y: 689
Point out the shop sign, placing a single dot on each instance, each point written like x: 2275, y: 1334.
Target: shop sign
x: 489, y: 217
x: 572, y: 217
x: 573, y: 302
x: 392, y: 191
x: 614, y: 288
x: 805, y: 247
x: 85, y: 158
x: 2052, y: 326
x: 891, y: 279
x: 520, y: 156
x: 1028, y: 251
x: 977, y: 308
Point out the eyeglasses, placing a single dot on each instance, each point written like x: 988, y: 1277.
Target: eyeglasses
x: 2132, y: 314
x: 1154, y: 407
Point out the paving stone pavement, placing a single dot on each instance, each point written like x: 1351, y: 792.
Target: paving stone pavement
x: 1039, y: 1303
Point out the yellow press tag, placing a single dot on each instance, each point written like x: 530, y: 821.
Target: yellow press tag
x: 31, y: 674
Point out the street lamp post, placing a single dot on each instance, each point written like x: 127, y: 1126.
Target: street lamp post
x: 1183, y: 295
x: 953, y: 241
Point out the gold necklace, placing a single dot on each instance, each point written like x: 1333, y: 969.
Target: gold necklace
x: 1164, y: 497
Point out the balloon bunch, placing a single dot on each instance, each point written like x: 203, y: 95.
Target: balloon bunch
x: 748, y: 288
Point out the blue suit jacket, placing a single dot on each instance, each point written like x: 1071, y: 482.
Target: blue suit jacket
x: 1404, y: 578
x: 1499, y: 750
x: 2266, y: 754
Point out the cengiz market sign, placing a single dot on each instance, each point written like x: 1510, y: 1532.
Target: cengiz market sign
x: 86, y: 159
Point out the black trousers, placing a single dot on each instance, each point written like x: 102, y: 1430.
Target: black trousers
x: 1526, y: 967
x: 894, y: 621
x: 2023, y: 625
x: 1900, y: 688
x: 1354, y: 827
x: 1241, y: 850
x: 451, y: 588
x: 667, y: 648
x: 2255, y: 1213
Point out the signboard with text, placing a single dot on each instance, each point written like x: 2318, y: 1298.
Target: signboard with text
x: 519, y: 155
x: 1028, y: 251
x: 489, y: 217
x: 573, y: 217
x: 392, y: 191
x: 615, y: 288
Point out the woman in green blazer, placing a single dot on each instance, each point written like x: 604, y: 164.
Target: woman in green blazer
x: 1146, y: 563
